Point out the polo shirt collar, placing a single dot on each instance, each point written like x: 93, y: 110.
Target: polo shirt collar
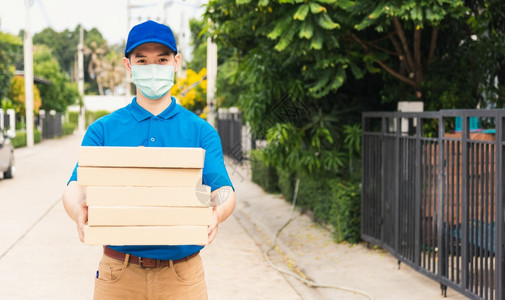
x: 140, y: 114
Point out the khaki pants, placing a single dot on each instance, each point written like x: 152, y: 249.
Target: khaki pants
x: 120, y: 280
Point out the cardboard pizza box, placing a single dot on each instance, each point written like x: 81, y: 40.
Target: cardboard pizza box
x: 146, y: 235
x: 148, y: 157
x: 146, y: 216
x: 148, y: 196
x: 108, y: 176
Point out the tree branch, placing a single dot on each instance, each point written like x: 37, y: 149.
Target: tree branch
x: 433, y: 44
x: 417, y: 47
x: 383, y: 65
x: 397, y: 46
x: 397, y: 75
x: 405, y: 45
x: 360, y: 42
x: 418, y: 71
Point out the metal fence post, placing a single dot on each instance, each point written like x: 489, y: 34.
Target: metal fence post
x: 383, y: 177
x: 398, y: 128
x: 417, y: 185
x: 441, y: 267
x: 464, y: 200
x: 499, y: 259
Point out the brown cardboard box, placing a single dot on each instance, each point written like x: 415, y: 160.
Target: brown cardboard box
x: 151, y: 157
x: 135, y: 216
x: 103, y: 176
x: 148, y: 196
x: 146, y: 235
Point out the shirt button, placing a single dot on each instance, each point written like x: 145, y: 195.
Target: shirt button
x: 153, y: 139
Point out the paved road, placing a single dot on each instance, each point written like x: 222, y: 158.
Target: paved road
x: 42, y: 258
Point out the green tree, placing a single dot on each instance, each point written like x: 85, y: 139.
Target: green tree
x: 338, y: 58
x: 199, y: 45
x: 112, y: 71
x: 17, y: 96
x: 63, y: 45
x: 10, y: 52
x: 61, y: 92
x: 269, y: 71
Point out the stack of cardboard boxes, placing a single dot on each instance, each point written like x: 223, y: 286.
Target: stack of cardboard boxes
x: 144, y: 195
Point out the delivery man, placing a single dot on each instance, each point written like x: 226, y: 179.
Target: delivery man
x: 154, y: 119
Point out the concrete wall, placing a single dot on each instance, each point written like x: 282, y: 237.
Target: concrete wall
x: 108, y: 103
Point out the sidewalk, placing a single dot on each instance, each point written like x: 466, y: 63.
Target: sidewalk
x: 42, y: 258
x: 308, y: 249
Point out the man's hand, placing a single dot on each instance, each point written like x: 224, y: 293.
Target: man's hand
x: 215, y: 223
x: 82, y: 220
x: 222, y: 203
x: 74, y: 201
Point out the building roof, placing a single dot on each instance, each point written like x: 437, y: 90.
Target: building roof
x: 36, y: 79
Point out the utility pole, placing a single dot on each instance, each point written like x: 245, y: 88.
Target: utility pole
x: 127, y: 76
x: 80, y: 80
x: 28, y: 60
x: 211, y: 81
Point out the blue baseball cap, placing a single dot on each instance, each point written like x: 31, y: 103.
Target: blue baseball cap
x: 150, y: 32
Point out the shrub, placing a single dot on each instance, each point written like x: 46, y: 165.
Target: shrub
x: 73, y: 117
x: 92, y: 116
x: 345, y: 212
x: 265, y: 176
x: 20, y: 139
x: 332, y: 201
x: 313, y: 195
x: 68, y: 128
x: 286, y: 183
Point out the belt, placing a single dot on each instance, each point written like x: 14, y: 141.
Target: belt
x: 144, y: 262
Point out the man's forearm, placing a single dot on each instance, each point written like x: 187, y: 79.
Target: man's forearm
x: 224, y: 199
x: 72, y: 199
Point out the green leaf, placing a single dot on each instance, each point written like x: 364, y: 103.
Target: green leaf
x: 316, y: 8
x: 240, y: 2
x: 322, y: 81
x: 307, y: 30
x: 416, y: 14
x: 326, y: 22
x: 301, y: 12
x: 286, y: 39
x: 280, y: 28
x: 356, y: 71
x: 344, y: 4
x: 377, y: 12
x: 317, y: 42
x: 339, y: 79
x: 263, y: 2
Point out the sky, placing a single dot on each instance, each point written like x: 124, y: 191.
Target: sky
x: 108, y: 16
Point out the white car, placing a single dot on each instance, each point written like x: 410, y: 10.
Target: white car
x: 7, y: 167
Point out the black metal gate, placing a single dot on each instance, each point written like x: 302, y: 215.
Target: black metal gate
x: 229, y: 127
x: 434, y: 197
x: 51, y: 125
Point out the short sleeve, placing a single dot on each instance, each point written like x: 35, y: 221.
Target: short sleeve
x: 93, y: 137
x: 214, y: 170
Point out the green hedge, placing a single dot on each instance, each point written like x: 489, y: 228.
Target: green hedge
x: 286, y: 183
x: 262, y: 174
x: 73, y: 117
x: 68, y: 128
x: 20, y: 139
x: 334, y: 201
x: 345, y: 212
x: 92, y: 116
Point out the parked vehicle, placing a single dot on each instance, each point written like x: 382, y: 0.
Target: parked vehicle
x: 7, y: 153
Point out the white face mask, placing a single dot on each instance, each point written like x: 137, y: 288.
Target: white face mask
x: 154, y: 80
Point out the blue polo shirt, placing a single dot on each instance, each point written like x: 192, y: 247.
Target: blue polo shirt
x: 176, y: 126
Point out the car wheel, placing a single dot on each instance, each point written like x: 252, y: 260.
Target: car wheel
x: 10, y: 171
